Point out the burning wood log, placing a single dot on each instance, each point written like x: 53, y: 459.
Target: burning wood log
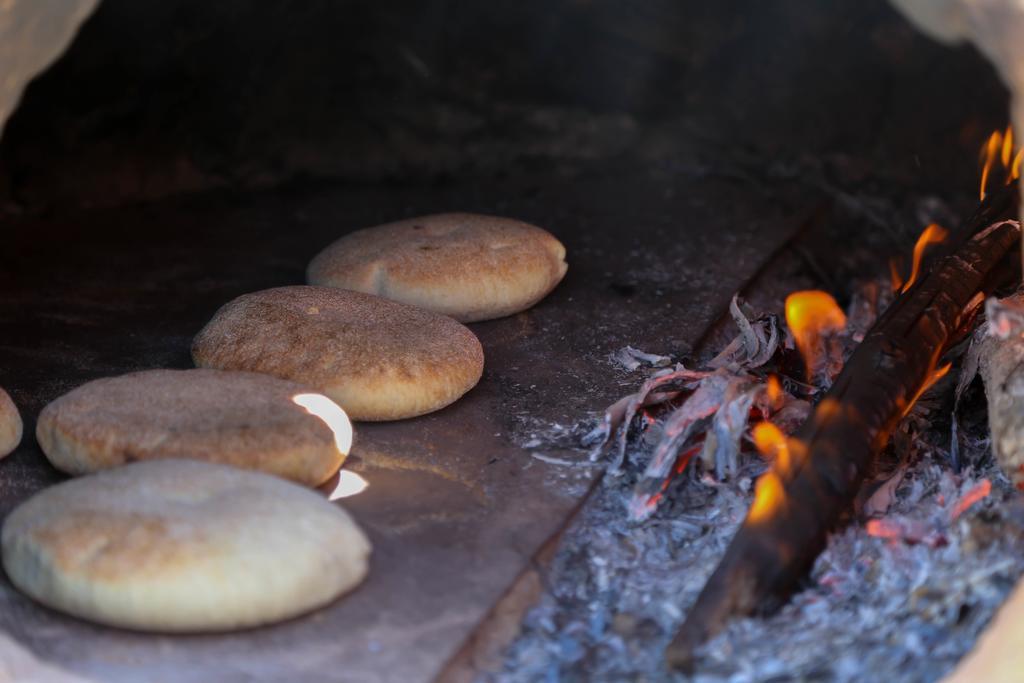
x: 803, y: 496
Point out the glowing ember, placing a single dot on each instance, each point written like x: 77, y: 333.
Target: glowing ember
x: 768, y: 496
x: 933, y: 234
x: 906, y: 530
x: 999, y: 149
x: 810, y: 315
x: 684, y: 458
x: 978, y: 492
x: 648, y: 418
x: 332, y: 415
x: 349, y: 484
x: 882, y: 528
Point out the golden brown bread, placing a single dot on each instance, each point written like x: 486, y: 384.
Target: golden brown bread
x: 10, y: 425
x: 242, y: 419
x: 378, y: 359
x: 468, y: 266
x: 182, y: 545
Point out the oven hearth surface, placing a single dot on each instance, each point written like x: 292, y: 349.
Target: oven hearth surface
x: 458, y: 501
x: 180, y: 154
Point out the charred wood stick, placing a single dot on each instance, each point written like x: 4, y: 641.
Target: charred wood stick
x: 1000, y: 204
x: 836, y: 447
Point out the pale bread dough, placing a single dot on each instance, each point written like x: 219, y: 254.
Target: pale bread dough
x: 182, y: 546
x: 464, y: 265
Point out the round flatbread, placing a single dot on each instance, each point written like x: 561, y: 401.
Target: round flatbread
x: 244, y: 419
x: 378, y: 359
x: 10, y: 425
x: 182, y: 546
x: 465, y: 265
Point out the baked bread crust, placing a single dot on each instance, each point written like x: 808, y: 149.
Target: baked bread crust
x: 467, y: 266
x: 378, y: 359
x: 10, y: 425
x: 243, y: 419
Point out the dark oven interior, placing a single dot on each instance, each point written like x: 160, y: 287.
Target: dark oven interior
x: 179, y: 154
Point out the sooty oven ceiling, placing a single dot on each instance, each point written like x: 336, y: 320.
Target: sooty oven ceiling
x: 182, y: 153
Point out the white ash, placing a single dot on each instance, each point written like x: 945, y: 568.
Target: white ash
x: 563, y: 462
x: 531, y: 432
x: 631, y: 359
x: 902, y: 604
x: 873, y: 609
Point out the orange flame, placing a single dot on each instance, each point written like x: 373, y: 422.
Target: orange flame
x: 933, y: 377
x: 773, y: 390
x: 933, y: 234
x: 809, y: 315
x: 936, y: 376
x: 768, y: 497
x: 999, y: 148
x: 769, y: 493
x: 989, y: 152
x: 894, y: 275
x: 771, y: 443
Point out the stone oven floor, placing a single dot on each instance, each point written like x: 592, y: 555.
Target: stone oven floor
x: 458, y: 501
